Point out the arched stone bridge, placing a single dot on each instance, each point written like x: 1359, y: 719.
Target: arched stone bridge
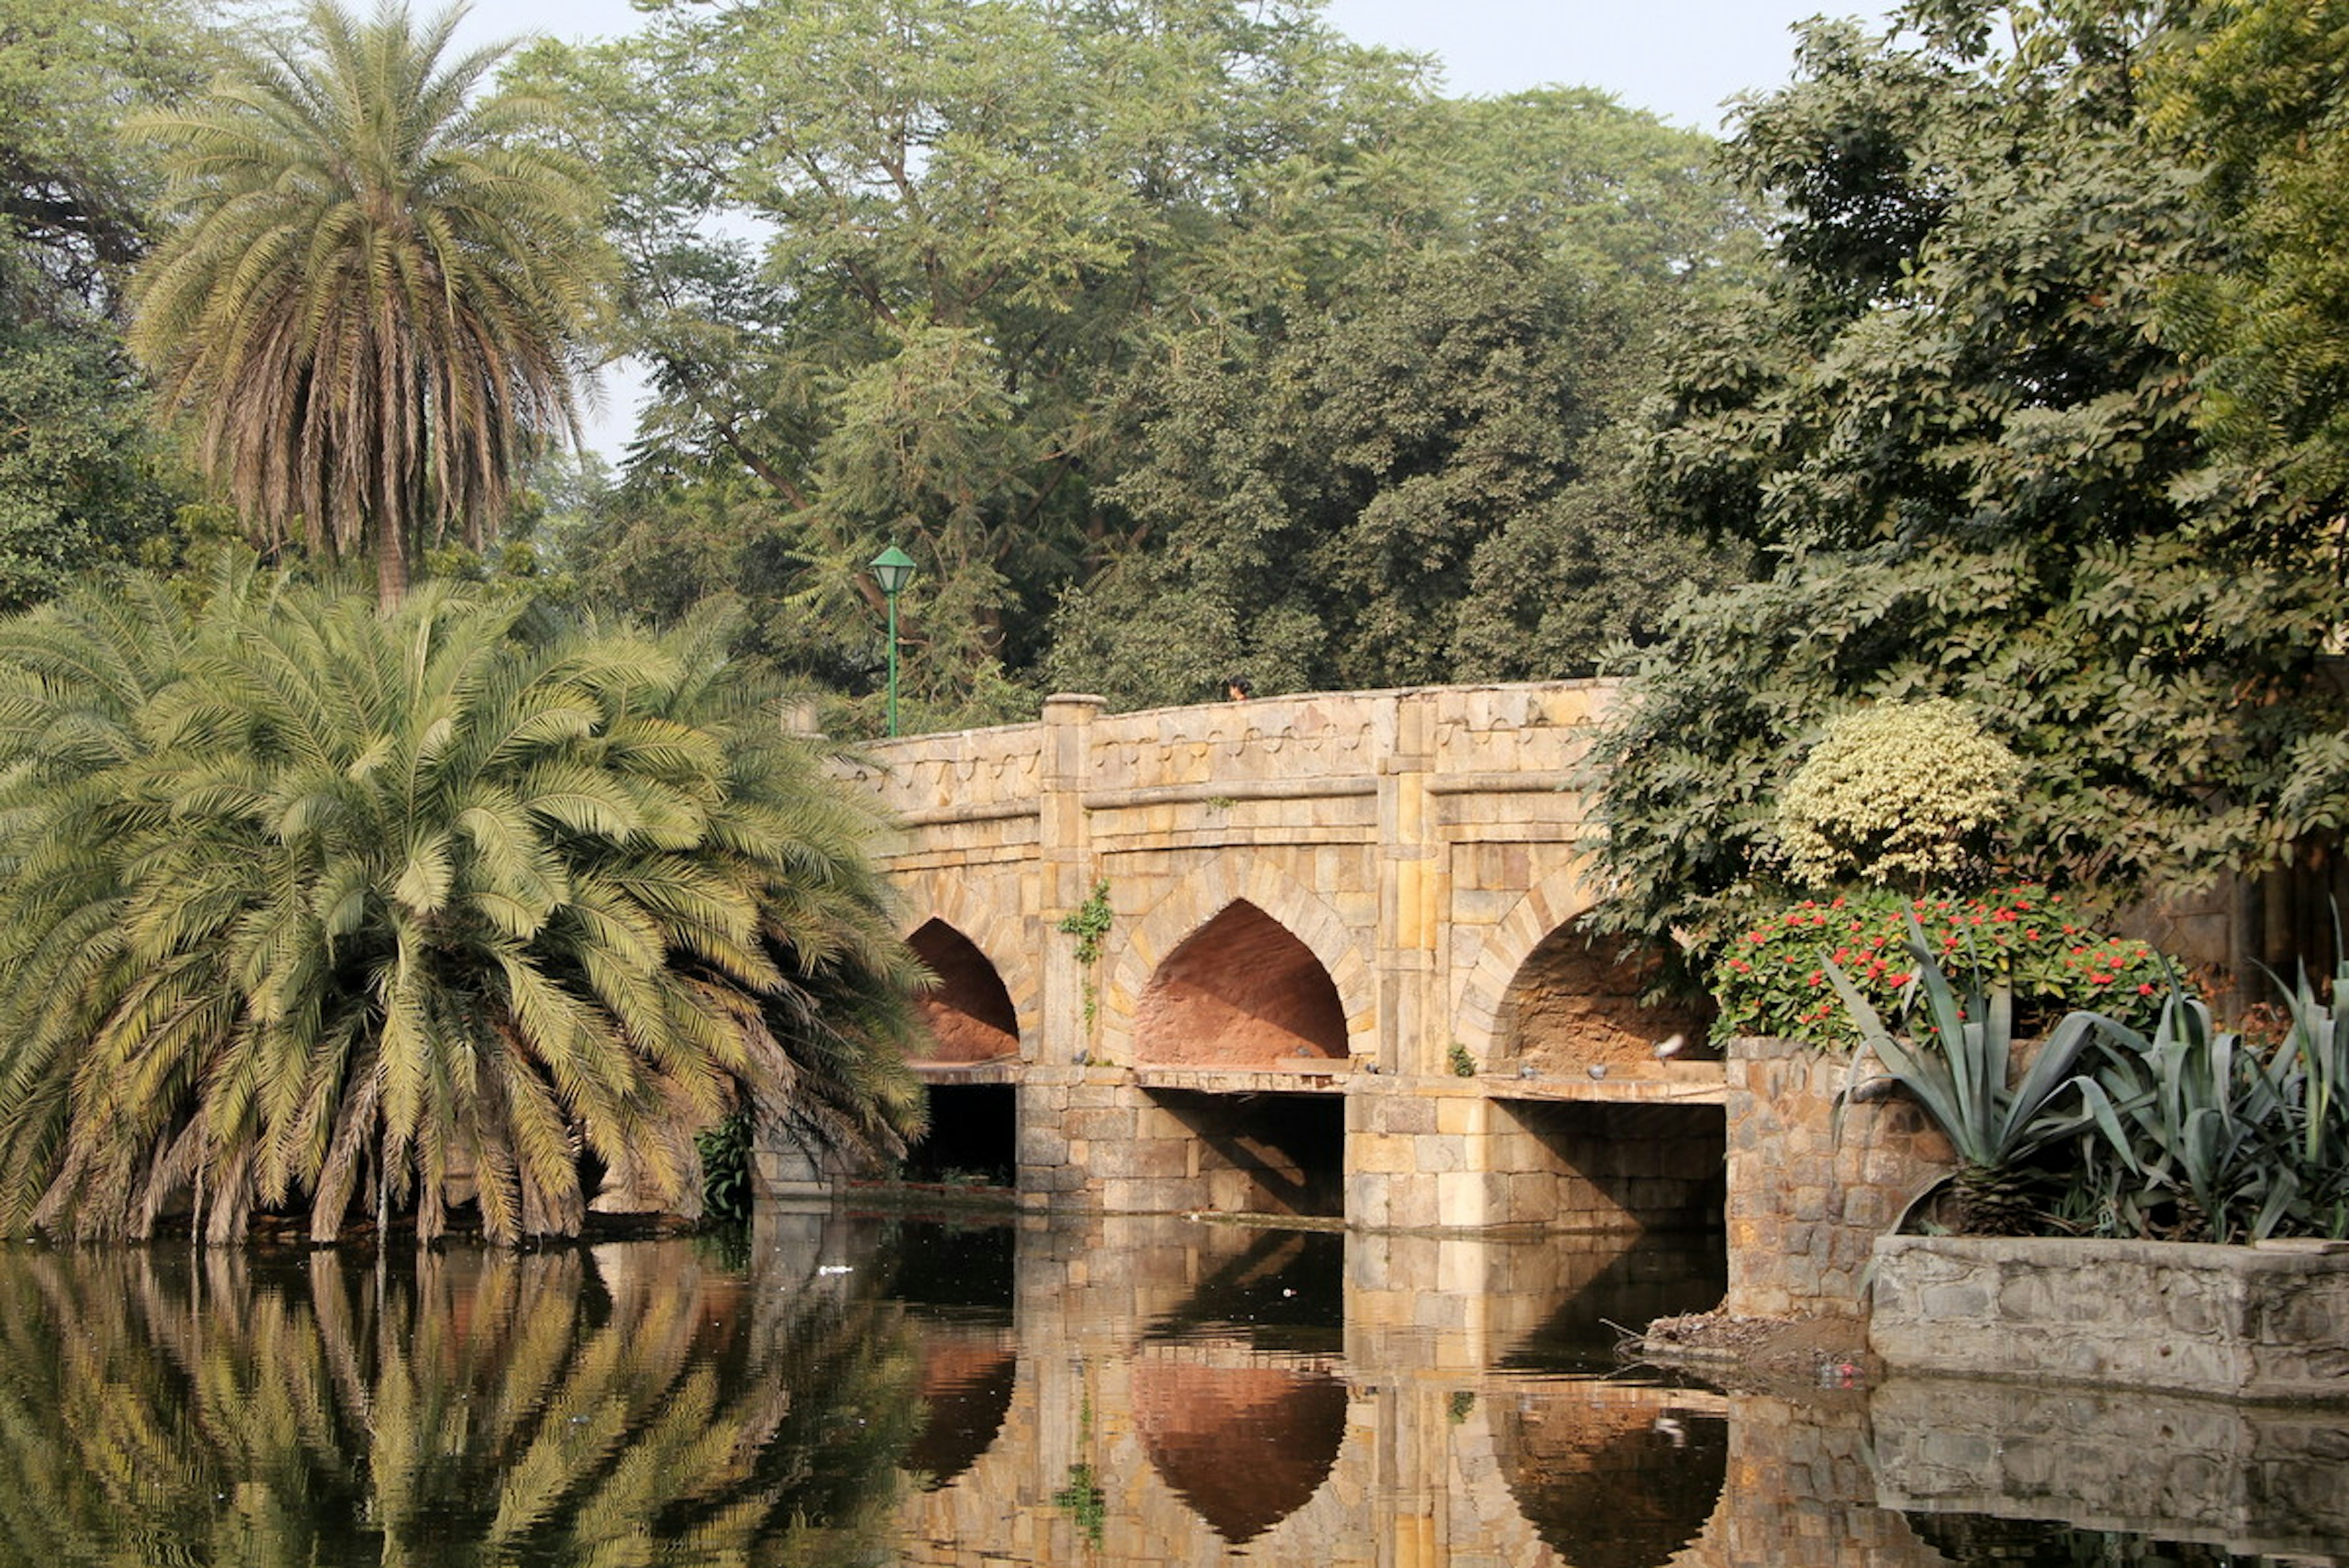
x: 1337, y: 966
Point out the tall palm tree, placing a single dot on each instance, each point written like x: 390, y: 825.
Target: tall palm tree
x: 376, y: 301
x: 320, y: 899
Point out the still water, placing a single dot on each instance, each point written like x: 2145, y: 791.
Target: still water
x: 841, y: 1391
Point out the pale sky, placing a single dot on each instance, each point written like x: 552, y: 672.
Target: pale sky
x: 1680, y: 58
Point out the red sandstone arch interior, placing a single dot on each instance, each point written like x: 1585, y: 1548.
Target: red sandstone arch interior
x: 1575, y: 1002
x: 968, y: 1011
x: 1240, y: 992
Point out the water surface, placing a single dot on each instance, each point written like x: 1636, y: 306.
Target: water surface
x: 844, y: 1390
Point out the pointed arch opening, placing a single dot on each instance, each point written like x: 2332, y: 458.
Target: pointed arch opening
x: 1240, y: 992
x: 969, y: 1009
x: 1576, y: 1003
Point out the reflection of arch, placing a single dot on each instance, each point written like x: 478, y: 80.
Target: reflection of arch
x: 1540, y: 940
x: 1199, y: 897
x: 1244, y: 1444
x: 968, y: 1011
x: 1239, y: 992
x: 1609, y: 1484
x: 968, y: 1377
x: 1000, y: 933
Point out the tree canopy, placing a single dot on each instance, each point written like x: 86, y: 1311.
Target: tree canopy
x: 1972, y: 465
x: 296, y: 896
x: 377, y: 297
x: 967, y: 277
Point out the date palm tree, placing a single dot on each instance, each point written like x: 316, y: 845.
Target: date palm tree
x: 298, y: 898
x: 376, y: 301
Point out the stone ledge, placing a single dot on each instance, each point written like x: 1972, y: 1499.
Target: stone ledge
x: 2246, y: 1323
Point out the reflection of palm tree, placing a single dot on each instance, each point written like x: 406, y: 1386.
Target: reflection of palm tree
x: 487, y: 1409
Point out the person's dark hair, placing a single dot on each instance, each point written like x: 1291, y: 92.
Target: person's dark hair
x: 1238, y: 686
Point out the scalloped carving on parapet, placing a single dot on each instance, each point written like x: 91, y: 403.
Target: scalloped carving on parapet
x: 1004, y: 937
x: 1308, y: 736
x: 1198, y: 897
x: 963, y: 770
x: 1521, y: 729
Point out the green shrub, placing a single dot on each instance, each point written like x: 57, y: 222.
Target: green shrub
x: 1771, y: 977
x: 1902, y: 793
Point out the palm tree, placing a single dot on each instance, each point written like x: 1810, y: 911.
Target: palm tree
x: 376, y: 303
x: 430, y: 901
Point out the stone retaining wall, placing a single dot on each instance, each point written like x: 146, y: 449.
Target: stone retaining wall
x: 1808, y: 1200
x: 2257, y: 1323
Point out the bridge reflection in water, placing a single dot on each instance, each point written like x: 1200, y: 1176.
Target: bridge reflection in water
x: 1123, y: 1393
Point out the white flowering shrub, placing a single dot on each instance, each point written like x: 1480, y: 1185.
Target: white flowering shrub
x: 1901, y: 794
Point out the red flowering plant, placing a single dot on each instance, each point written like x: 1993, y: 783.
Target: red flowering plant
x: 1771, y: 978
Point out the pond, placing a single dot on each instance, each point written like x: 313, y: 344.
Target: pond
x: 838, y: 1390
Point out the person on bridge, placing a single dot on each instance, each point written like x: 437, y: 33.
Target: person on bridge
x: 1239, y: 689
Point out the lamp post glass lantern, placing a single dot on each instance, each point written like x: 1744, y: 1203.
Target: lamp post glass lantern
x: 893, y: 568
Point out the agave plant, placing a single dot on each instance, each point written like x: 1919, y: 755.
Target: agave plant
x: 296, y: 897
x: 1956, y: 1061
x: 2218, y: 1139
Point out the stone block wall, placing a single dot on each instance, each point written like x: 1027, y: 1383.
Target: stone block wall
x: 2260, y: 1322
x: 1590, y: 1165
x: 1807, y: 1200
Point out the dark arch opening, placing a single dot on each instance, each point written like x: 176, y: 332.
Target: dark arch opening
x: 969, y: 1012
x: 1575, y: 1003
x: 974, y: 1138
x: 1240, y: 992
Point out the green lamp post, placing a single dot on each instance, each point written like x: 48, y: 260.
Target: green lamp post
x: 893, y: 568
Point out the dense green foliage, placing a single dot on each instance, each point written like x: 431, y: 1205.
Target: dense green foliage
x: 1970, y: 456
x: 998, y: 283
x: 375, y: 300
x: 83, y: 481
x: 2256, y: 93
x: 293, y: 894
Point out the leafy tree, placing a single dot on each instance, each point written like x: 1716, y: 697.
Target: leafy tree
x: 901, y: 270
x: 1969, y: 459
x: 2256, y: 93
x: 376, y: 301
x: 297, y: 893
x: 1413, y: 486
x: 83, y: 481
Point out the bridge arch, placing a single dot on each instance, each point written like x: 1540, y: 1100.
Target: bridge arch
x: 996, y: 933
x: 1504, y: 1016
x: 1197, y: 901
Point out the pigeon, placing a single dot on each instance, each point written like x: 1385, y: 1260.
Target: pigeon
x: 1669, y: 1046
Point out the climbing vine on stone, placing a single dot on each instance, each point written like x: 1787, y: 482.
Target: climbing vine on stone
x: 1089, y: 922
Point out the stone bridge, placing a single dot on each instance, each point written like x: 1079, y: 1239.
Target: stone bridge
x: 1319, y: 954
